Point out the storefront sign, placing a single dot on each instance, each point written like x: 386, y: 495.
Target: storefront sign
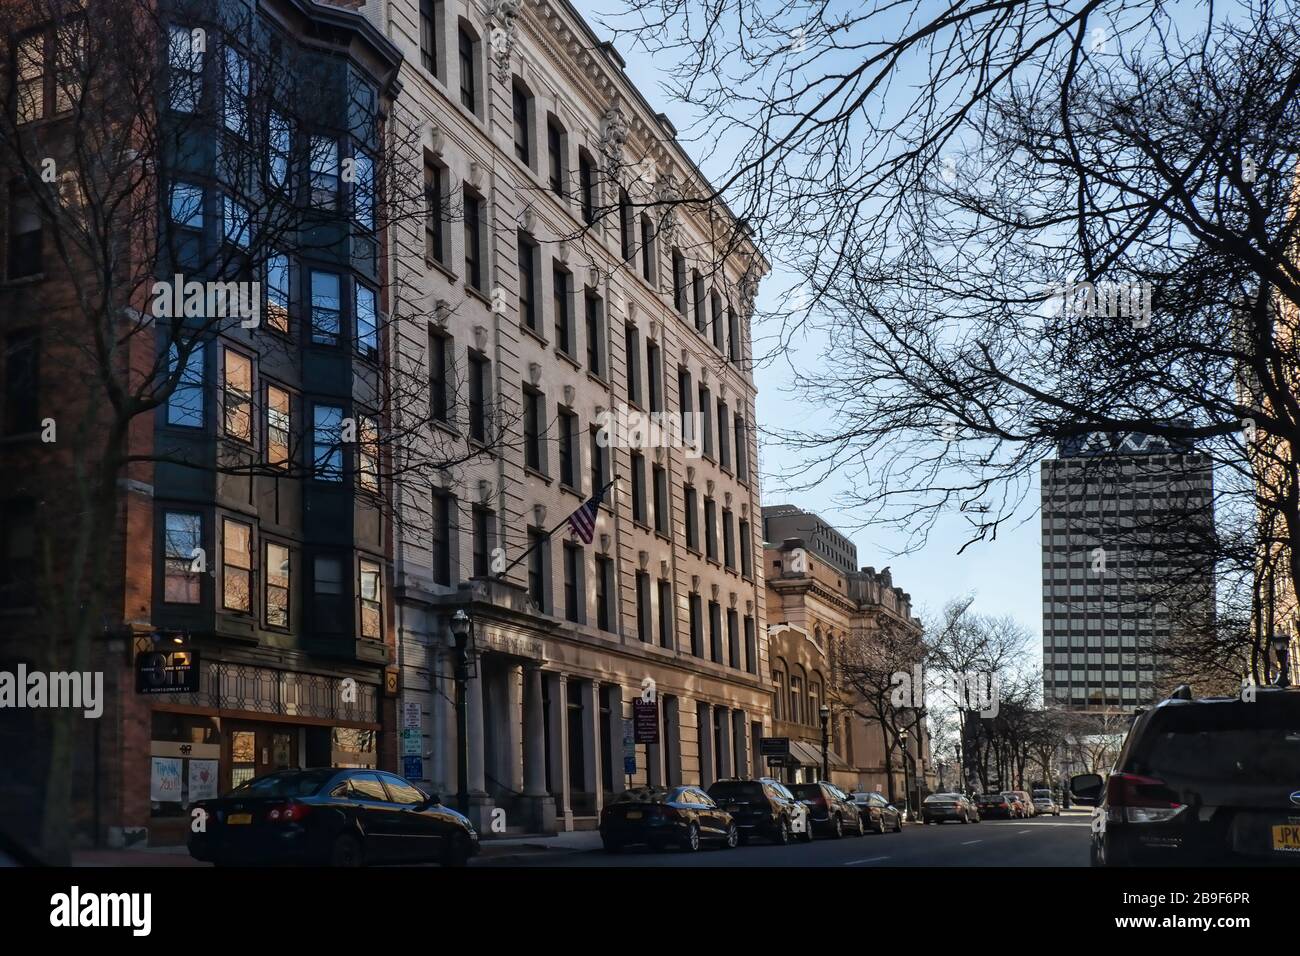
x: 645, y: 720
x: 202, y: 780
x: 774, y: 746
x: 165, y: 780
x: 167, y: 672
x: 513, y: 645
x: 413, y: 768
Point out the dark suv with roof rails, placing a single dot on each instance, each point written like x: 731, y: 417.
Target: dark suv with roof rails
x: 1208, y: 781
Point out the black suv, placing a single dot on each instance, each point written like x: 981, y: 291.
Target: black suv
x: 1215, y: 780
x: 757, y: 807
x: 830, y: 808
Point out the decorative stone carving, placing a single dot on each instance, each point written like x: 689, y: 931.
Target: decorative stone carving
x: 613, y: 133
x: 570, y: 393
x: 484, y: 491
x: 667, y: 192
x: 480, y: 337
x: 748, y: 292
x: 539, y: 515
x: 535, y: 373
x: 502, y: 15
x: 663, y: 568
x: 643, y: 559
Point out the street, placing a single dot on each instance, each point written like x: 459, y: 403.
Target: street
x: 1040, y: 841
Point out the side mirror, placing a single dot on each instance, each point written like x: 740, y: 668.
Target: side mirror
x: 1087, y: 789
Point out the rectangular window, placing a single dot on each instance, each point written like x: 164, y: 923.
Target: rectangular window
x: 595, y: 334
x: 638, y: 488
x: 279, y: 141
x: 467, y: 48
x: 562, y: 284
x: 660, y: 490
x: 695, y: 609
x: 325, y: 308
x: 715, y: 632
x: 647, y: 249
x: 521, y: 106
x: 440, y: 537
x: 527, y: 257
x: 568, y: 423
x: 236, y: 225
x: 438, y: 384
x: 733, y: 638
x: 182, y: 539
x: 327, y: 443
x: 234, y: 92
x: 473, y: 207
x: 728, y: 539
x: 599, y: 462
x: 483, y: 541
x: 185, y: 404
x: 632, y: 351
x: 746, y: 551
x: 435, y: 189
x: 278, y: 404
x: 277, y: 293
x: 534, y: 429
x: 29, y: 61
x: 684, y: 393
x: 665, y: 614
x: 237, y: 397
x: 368, y: 454
x: 710, y: 529
x: 367, y: 312
x: 679, y: 281
x: 643, y: 628
x: 604, y: 593
x: 328, y: 577
x: 236, y: 566
x: 537, y: 588
x: 555, y: 156
x: 277, y: 585
x: 26, y: 234
x: 724, y: 436
x: 324, y: 172
x: 184, y: 68
x: 587, y: 184
x: 698, y: 290
x: 573, y: 588
x: 692, y: 521
x: 370, y: 590
x: 363, y: 190
x: 733, y: 336
x: 625, y: 225
x: 751, y: 646
x: 429, y: 36
x: 654, y: 377
x: 478, y: 397
x: 742, y: 450
x: 706, y: 416
x: 715, y: 310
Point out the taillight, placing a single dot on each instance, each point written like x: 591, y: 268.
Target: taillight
x: 288, y: 813
x: 1136, y: 799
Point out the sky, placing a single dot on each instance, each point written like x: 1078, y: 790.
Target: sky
x: 1005, y: 574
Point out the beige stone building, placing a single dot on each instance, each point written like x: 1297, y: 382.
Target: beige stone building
x: 562, y: 284
x: 815, y: 608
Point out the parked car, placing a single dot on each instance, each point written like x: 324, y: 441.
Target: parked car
x: 1045, y: 803
x: 760, y: 808
x: 830, y: 808
x: 938, y: 807
x: 801, y: 823
x: 658, y: 816
x: 1202, y: 782
x: 880, y: 815
x: 996, y: 805
x: 1026, y: 802
x: 331, y: 816
x: 1018, y: 807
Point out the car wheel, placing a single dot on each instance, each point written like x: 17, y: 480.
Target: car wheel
x: 808, y: 831
x: 733, y: 837
x: 783, y: 832
x: 880, y: 826
x: 612, y: 846
x: 898, y: 823
x: 691, y: 842
x: 837, y: 827
x: 458, y: 851
x: 347, y: 851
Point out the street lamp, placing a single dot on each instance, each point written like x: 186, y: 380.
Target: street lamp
x: 1281, y: 651
x: 826, y: 716
x: 461, y: 627
x: 907, y: 777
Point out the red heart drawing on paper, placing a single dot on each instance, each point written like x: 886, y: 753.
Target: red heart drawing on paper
x: 203, y: 776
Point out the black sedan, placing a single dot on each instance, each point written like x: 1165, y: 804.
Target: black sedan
x: 830, y: 808
x: 659, y: 817
x: 331, y: 817
x: 938, y: 807
x: 880, y: 815
x: 759, y: 808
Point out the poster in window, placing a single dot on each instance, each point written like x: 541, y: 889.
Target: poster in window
x: 165, y: 780
x: 202, y: 780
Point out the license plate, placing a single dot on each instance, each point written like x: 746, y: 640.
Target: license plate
x: 239, y: 818
x: 634, y: 814
x: 1286, y: 837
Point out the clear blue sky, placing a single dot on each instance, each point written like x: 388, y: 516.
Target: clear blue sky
x: 1005, y: 574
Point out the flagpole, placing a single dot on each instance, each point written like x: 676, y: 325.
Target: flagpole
x: 529, y: 550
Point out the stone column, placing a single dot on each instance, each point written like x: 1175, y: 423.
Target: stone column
x: 724, y: 742
x: 655, y: 752
x: 591, y: 756
x: 671, y: 738
x: 740, y: 743
x: 480, y: 805
x: 614, y: 697
x: 511, y: 734
x: 558, y: 757
x: 704, y: 719
x: 543, y: 806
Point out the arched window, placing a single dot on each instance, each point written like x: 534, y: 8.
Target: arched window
x: 778, y: 681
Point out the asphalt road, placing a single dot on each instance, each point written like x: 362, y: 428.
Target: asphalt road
x: 1039, y: 841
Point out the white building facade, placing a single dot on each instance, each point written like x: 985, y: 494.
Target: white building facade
x: 559, y: 281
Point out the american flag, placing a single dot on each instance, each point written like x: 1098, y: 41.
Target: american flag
x: 583, y: 521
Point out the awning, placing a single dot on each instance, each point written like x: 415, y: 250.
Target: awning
x: 806, y: 755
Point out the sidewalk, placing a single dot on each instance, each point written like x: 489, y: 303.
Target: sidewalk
x: 141, y: 856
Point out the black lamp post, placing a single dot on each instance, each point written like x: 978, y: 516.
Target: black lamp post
x: 461, y: 626
x: 826, y: 716
x: 907, y: 777
x: 1281, y: 653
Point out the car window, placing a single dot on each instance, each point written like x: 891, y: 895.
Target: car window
x: 878, y: 800
x: 294, y: 783
x: 645, y: 795
x: 366, y: 786
x: 736, y: 790
x: 1218, y: 745
x: 703, y: 798
x: 782, y: 790
x: 399, y: 791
